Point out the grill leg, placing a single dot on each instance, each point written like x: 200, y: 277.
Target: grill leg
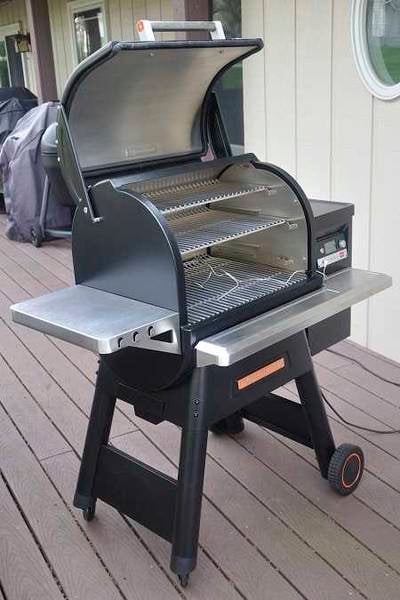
x: 190, y: 480
x: 313, y: 405
x: 97, y: 434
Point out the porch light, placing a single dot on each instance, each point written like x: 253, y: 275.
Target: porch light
x: 22, y: 42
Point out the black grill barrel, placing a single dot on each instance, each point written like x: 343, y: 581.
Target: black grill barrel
x: 131, y: 252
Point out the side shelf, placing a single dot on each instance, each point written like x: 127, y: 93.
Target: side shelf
x: 99, y: 321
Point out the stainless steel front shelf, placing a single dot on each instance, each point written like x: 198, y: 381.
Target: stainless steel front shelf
x: 342, y: 290
x: 201, y: 228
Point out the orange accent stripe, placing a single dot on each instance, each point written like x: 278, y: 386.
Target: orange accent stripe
x: 349, y: 485
x: 269, y: 369
x: 139, y: 26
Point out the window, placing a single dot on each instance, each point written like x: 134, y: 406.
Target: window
x: 376, y: 45
x: 230, y: 88
x: 4, y: 72
x: 12, y: 71
x: 88, y: 28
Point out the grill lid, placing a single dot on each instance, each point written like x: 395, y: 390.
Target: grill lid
x: 137, y: 102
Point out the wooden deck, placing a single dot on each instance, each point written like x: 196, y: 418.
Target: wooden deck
x: 271, y: 528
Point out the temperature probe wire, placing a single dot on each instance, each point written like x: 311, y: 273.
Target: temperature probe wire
x: 360, y: 364
x: 337, y: 413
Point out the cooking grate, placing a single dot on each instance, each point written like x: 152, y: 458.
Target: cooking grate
x: 215, y: 285
x: 189, y: 195
x: 200, y: 228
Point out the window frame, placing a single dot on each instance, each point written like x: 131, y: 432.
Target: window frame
x: 362, y: 59
x: 80, y: 5
x: 11, y: 30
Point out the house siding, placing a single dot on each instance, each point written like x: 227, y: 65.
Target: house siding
x: 308, y: 111
x: 12, y: 12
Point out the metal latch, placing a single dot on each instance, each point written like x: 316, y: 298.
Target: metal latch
x: 146, y: 29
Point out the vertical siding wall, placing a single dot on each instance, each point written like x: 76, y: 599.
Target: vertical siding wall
x: 15, y: 12
x: 121, y: 16
x: 308, y: 111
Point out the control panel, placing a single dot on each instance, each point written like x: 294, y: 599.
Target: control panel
x: 331, y: 249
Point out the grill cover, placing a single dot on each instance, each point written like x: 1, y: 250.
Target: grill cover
x: 23, y: 175
x: 135, y: 102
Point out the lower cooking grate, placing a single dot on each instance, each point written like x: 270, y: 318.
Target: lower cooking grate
x: 215, y: 285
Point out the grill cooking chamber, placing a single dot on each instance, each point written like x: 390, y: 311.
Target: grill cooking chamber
x: 216, y: 241
x: 241, y: 233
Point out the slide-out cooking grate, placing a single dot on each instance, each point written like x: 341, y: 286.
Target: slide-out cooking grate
x: 197, y: 193
x: 200, y: 228
x: 215, y: 285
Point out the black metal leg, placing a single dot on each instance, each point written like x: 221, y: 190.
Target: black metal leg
x: 190, y: 480
x: 44, y: 207
x: 320, y: 430
x: 97, y: 434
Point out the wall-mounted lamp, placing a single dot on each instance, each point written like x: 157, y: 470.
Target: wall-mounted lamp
x: 22, y: 42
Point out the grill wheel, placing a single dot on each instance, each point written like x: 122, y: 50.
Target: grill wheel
x: 346, y: 468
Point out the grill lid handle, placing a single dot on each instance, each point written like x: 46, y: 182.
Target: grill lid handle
x: 147, y: 28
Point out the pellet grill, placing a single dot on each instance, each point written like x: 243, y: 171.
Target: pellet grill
x: 200, y: 278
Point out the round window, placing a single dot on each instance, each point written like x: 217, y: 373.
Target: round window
x: 376, y: 45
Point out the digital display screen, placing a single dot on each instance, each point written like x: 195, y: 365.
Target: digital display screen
x: 330, y: 247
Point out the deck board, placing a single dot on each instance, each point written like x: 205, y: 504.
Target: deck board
x: 24, y: 573
x: 72, y: 558
x: 358, y: 516
x: 271, y: 528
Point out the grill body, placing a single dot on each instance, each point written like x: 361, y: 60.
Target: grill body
x: 216, y: 241
x: 248, y: 250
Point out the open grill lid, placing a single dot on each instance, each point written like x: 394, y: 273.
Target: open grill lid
x: 132, y: 103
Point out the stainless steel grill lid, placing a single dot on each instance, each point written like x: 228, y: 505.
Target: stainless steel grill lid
x: 135, y: 102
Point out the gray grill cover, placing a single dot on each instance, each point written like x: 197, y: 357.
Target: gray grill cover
x: 23, y: 175
x: 10, y: 113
